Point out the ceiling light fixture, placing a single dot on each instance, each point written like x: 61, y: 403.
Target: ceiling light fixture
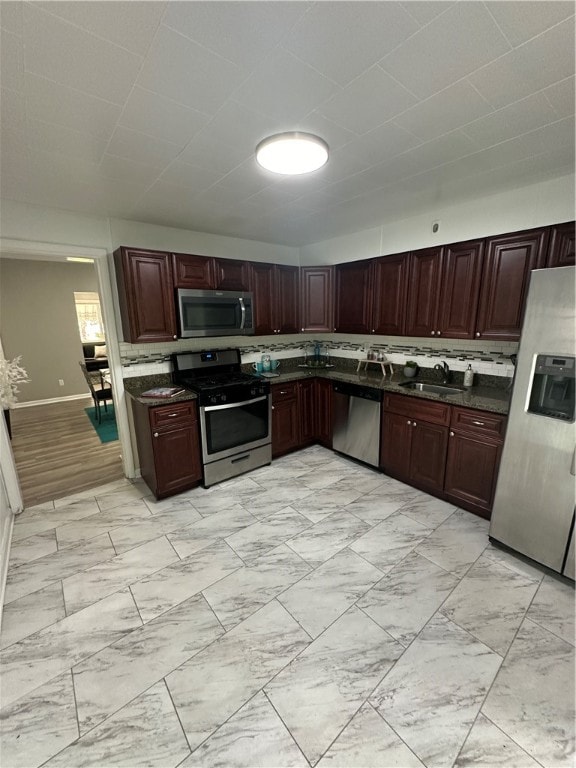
x: 80, y: 259
x: 292, y: 153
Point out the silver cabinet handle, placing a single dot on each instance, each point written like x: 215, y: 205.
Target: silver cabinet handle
x: 242, y: 313
x: 438, y: 333
x: 283, y: 391
x: 451, y: 434
x: 413, y: 423
x: 155, y: 434
x: 174, y: 337
x: 409, y: 423
x: 477, y: 333
x: 373, y: 330
x: 172, y: 415
x: 478, y: 423
x: 432, y: 333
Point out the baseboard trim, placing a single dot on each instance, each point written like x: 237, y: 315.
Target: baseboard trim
x: 52, y: 400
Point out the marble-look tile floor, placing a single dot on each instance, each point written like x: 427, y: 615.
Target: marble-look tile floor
x: 313, y: 612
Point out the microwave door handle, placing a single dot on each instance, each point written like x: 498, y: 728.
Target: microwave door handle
x: 242, y: 313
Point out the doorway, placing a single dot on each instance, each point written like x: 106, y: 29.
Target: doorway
x: 84, y: 463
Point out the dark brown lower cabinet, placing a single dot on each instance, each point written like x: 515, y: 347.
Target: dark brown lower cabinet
x: 324, y: 412
x: 301, y: 415
x: 285, y: 418
x: 307, y: 402
x: 168, y: 446
x: 474, y: 449
x: 459, y: 464
x: 414, y: 451
x: 428, y: 455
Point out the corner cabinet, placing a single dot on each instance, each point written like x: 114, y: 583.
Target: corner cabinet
x: 316, y: 299
x: 508, y: 262
x: 168, y: 446
x: 354, y: 297
x: 301, y: 414
x: 146, y: 295
x: 276, y: 293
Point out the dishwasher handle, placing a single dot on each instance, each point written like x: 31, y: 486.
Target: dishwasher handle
x: 357, y: 390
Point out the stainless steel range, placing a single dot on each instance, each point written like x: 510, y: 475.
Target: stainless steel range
x: 235, y: 412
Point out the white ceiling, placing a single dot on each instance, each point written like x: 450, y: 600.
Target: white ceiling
x: 152, y: 110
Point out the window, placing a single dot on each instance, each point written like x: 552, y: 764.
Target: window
x: 89, y: 317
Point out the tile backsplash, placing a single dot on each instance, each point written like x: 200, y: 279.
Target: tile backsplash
x: 486, y: 357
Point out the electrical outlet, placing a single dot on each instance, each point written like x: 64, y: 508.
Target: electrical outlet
x: 61, y: 382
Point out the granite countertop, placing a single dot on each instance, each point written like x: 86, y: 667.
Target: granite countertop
x: 135, y: 387
x: 480, y: 398
x: 483, y: 398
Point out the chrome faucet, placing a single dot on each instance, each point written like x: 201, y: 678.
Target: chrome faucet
x: 444, y: 371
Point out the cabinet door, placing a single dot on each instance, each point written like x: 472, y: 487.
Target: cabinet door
x: 428, y: 455
x: 262, y: 277
x: 424, y: 292
x: 395, y: 444
x: 507, y: 265
x: 353, y: 297
x: 285, y: 426
x: 316, y: 299
x: 176, y: 459
x: 231, y: 275
x: 460, y: 289
x: 285, y: 299
x: 562, y: 246
x: 146, y: 295
x: 193, y: 271
x: 324, y: 412
x: 307, y: 408
x: 471, y: 471
x: 389, y: 294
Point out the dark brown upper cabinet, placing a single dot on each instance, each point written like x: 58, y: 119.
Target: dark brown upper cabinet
x: 354, y: 297
x: 424, y: 292
x: 275, y: 289
x: 192, y: 271
x: 316, y: 299
x: 508, y: 262
x: 231, y: 275
x: 390, y: 285
x: 460, y: 287
x: 562, y: 245
x: 146, y: 295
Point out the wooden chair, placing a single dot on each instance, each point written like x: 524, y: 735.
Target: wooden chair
x: 98, y: 389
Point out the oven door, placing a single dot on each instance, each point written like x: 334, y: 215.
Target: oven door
x: 234, y: 427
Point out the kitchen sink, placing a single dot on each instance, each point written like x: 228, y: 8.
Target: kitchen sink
x: 436, y: 389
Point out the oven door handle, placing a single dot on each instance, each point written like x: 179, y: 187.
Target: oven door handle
x: 242, y: 313
x: 234, y: 405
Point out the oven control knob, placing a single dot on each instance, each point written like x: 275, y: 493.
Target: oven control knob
x: 223, y: 398
x: 213, y: 399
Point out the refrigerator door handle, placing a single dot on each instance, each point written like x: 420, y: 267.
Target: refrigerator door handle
x: 573, y: 467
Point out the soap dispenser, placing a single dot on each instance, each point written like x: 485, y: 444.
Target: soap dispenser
x: 468, y: 376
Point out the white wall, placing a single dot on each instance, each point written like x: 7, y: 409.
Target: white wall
x: 141, y: 235
x: 549, y: 202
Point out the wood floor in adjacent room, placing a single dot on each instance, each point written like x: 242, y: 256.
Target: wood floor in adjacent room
x: 58, y: 452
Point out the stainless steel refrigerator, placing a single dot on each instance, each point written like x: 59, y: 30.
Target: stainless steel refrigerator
x: 535, y: 496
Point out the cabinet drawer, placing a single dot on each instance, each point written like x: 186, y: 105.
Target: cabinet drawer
x: 173, y: 415
x: 478, y: 422
x: 281, y: 392
x: 415, y: 408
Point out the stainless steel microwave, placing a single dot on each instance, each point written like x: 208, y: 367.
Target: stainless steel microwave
x: 214, y: 313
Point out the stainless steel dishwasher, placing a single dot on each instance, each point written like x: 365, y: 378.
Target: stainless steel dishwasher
x: 356, y: 425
